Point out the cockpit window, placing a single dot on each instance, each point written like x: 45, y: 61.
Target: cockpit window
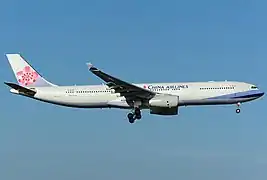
x: 254, y: 87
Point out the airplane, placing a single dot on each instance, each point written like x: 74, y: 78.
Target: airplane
x: 158, y: 98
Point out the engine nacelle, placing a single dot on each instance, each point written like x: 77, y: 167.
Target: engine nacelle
x: 164, y: 105
x: 164, y: 101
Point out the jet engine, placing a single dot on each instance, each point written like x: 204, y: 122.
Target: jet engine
x: 164, y: 105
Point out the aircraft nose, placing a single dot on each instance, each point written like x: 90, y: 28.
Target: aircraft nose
x: 261, y: 93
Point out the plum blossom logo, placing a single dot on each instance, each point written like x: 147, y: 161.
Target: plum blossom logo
x: 27, y: 76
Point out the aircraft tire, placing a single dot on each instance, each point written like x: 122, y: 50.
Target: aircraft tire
x: 131, y: 118
x: 137, y: 111
x: 238, y: 111
x: 138, y: 116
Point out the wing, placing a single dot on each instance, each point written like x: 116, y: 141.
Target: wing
x: 126, y: 89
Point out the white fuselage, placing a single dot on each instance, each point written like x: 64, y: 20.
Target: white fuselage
x: 190, y: 93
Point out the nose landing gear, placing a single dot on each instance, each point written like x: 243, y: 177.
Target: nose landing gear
x: 238, y: 109
x: 132, y: 116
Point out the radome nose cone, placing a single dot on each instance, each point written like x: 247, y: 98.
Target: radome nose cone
x: 260, y: 94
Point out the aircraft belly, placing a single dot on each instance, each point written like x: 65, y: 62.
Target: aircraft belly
x: 208, y: 102
x: 84, y: 101
x: 119, y: 102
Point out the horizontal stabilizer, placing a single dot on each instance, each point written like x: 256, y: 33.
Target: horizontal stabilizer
x: 21, y: 90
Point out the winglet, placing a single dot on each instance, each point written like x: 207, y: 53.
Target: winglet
x: 91, y: 67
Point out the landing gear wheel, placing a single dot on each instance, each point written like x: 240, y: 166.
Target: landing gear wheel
x: 131, y: 118
x: 237, y: 110
x: 137, y: 112
x: 138, y: 116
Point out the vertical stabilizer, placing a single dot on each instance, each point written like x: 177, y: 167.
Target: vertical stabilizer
x: 25, y: 74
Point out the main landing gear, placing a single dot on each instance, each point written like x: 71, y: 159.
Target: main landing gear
x: 238, y: 108
x: 136, y: 114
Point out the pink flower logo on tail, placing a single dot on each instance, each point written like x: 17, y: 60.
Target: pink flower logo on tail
x: 27, y: 76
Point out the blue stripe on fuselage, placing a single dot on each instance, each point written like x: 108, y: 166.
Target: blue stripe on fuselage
x: 244, y: 94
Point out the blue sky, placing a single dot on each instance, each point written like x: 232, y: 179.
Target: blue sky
x: 138, y: 41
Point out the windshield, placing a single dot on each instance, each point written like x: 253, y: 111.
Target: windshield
x: 254, y: 87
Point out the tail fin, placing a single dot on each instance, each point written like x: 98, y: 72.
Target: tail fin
x: 25, y: 74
